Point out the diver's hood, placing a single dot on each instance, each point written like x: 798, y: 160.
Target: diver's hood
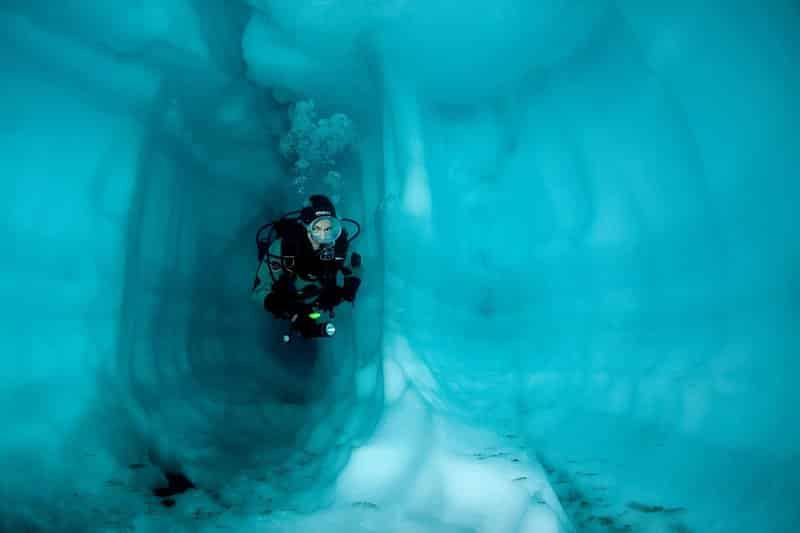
x: 318, y: 205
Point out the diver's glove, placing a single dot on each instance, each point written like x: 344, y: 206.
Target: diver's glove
x: 329, y: 298
x: 284, y: 304
x: 277, y: 304
x: 351, y: 285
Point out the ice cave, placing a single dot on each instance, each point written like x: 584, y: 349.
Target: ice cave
x: 579, y: 297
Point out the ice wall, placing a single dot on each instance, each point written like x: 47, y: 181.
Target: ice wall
x: 579, y: 302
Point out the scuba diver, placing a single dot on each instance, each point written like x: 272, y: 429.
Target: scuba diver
x: 301, y: 272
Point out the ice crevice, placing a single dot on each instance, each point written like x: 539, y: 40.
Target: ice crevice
x: 579, y: 299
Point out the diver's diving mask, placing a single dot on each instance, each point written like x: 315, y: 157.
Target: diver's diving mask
x: 324, y: 231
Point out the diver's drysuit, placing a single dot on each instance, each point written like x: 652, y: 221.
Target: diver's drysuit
x: 295, y: 281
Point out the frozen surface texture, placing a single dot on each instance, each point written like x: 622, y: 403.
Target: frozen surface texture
x: 579, y: 308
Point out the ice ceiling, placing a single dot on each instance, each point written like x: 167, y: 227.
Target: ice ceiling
x: 580, y: 298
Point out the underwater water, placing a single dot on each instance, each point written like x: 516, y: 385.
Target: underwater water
x: 579, y: 308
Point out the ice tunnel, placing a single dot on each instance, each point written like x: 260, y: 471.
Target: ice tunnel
x: 579, y: 298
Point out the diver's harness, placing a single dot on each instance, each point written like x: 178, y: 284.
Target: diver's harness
x: 287, y: 262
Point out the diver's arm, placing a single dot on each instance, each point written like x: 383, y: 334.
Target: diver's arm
x: 262, y: 285
x: 352, y: 280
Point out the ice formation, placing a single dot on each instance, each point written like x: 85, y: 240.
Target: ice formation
x: 580, y: 298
